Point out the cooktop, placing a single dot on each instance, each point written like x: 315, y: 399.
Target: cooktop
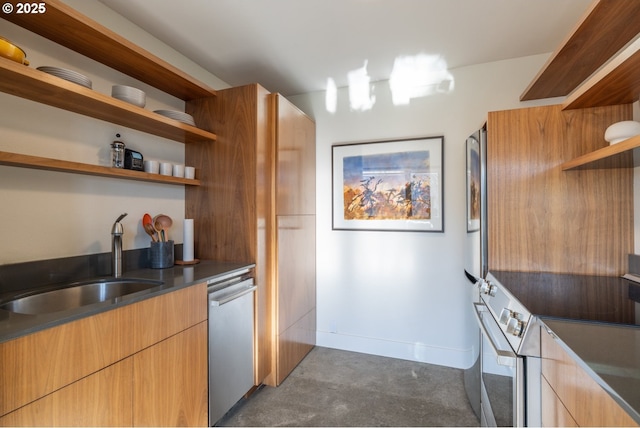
x: 580, y: 297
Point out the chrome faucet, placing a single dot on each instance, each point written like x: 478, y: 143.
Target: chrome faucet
x: 116, y: 247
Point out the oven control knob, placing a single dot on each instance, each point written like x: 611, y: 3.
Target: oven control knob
x: 515, y: 327
x: 505, y: 315
x: 487, y: 288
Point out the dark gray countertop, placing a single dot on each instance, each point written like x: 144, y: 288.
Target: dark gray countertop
x: 14, y: 325
x: 610, y: 353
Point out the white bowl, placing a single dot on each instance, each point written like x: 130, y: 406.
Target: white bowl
x: 129, y: 94
x: 621, y: 131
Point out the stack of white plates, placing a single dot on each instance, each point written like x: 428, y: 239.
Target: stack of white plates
x: 69, y: 75
x: 177, y: 115
x: 128, y: 94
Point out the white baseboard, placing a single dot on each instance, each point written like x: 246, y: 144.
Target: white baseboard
x: 457, y: 358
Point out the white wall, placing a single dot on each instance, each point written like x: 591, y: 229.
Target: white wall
x: 404, y: 294
x: 48, y: 214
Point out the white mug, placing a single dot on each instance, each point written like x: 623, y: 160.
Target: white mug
x: 178, y: 170
x: 189, y: 172
x: 166, y: 168
x: 151, y: 166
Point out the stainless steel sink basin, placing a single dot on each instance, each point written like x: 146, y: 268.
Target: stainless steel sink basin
x: 79, y: 294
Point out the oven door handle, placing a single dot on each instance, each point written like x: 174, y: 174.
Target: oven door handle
x: 504, y: 357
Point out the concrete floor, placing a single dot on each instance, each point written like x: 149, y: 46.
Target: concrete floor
x: 339, y: 388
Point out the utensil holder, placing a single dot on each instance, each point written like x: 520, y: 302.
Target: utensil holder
x: 161, y: 254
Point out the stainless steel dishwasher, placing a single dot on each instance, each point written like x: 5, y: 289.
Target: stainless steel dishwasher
x: 230, y: 341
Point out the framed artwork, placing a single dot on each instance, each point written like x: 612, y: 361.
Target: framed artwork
x: 394, y: 185
x: 473, y: 185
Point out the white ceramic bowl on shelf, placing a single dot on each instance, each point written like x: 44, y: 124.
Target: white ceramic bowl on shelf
x: 621, y: 131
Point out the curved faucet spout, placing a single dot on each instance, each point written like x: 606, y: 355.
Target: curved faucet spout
x: 116, y: 246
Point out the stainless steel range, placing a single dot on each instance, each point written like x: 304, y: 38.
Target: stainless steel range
x: 509, y: 375
x: 508, y: 309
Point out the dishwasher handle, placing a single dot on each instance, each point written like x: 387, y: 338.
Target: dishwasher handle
x: 228, y: 298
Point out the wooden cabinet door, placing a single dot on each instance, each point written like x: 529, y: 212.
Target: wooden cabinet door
x: 584, y: 399
x: 296, y: 292
x: 554, y: 414
x: 170, y: 381
x: 101, y: 399
x: 296, y: 159
x: 160, y: 317
x: 295, y: 226
x: 37, y: 364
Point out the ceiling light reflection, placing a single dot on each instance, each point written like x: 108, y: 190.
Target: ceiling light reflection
x: 360, y: 97
x: 413, y: 76
x: 331, y: 99
x: 419, y: 76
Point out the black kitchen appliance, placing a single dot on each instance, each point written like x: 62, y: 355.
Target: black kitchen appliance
x: 133, y: 160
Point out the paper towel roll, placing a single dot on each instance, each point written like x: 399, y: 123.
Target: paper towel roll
x: 187, y: 243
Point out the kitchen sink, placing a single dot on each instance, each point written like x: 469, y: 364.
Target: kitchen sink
x: 79, y: 294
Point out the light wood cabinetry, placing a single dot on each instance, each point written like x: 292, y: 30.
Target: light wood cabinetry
x: 48, y: 360
x: 258, y: 191
x: 170, y: 381
x: 554, y: 414
x: 101, y: 399
x: 42, y: 370
x: 295, y: 282
x: 539, y: 214
x: 574, y: 392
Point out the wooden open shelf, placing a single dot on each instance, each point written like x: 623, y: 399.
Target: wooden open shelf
x: 618, y: 155
x: 64, y: 25
x: 616, y: 82
x: 25, y: 82
x: 37, y: 162
x: 606, y: 27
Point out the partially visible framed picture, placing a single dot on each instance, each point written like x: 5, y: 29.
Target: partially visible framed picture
x: 473, y: 185
x: 394, y: 185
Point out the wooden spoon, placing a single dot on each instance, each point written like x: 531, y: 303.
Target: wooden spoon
x: 148, y: 226
x: 162, y: 223
x: 151, y: 231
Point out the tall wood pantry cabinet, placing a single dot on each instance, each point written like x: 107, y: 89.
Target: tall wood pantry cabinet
x: 256, y: 202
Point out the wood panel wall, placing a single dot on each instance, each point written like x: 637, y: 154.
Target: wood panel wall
x: 233, y: 204
x: 542, y: 219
